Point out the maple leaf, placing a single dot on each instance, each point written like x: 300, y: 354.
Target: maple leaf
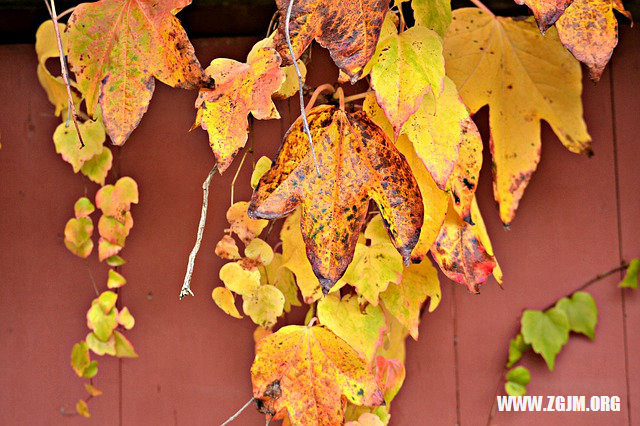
x: 546, y: 12
x: 240, y: 88
x: 117, y: 47
x: 357, y: 162
x: 349, y: 30
x: 306, y: 373
x: 460, y: 254
x: 409, y: 65
x: 524, y: 77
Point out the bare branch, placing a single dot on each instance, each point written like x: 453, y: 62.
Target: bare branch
x: 186, y: 285
x: 232, y: 418
x: 63, y: 66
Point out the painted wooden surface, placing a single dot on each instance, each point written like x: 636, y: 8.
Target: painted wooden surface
x: 579, y: 218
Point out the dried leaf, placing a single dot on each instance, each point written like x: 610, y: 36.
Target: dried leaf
x: 306, y: 372
x: 117, y: 47
x: 356, y: 162
x: 524, y: 78
x: 350, y: 30
x: 264, y: 306
x: 405, y: 300
x: 409, y: 65
x: 240, y: 88
x: 546, y: 12
x: 224, y: 299
x: 226, y: 248
x: 362, y: 329
x: 242, y: 225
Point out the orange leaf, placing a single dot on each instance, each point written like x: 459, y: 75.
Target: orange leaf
x: 240, y: 89
x: 357, y: 162
x: 350, y: 30
x: 546, y: 12
x: 309, y: 373
x: 460, y: 254
x: 117, y: 47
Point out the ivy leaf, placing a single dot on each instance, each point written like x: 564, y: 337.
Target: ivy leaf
x: 98, y: 166
x: 409, y: 65
x: 517, y: 380
x: 125, y: 318
x: 350, y: 30
x: 107, y: 301
x: 117, y: 47
x: 226, y: 248
x: 83, y: 207
x: 460, y: 254
x: 547, y: 332
x: 432, y: 14
x: 581, y: 312
x: 524, y: 78
x: 241, y: 88
x: 115, y: 200
x: 305, y: 372
x: 282, y: 278
x: 80, y: 358
x: 100, y: 347
x: 264, y: 305
x: 357, y: 162
x: 435, y: 201
x: 92, y: 390
x: 363, y: 330
x: 375, y: 264
x: 240, y: 277
x: 517, y: 347
x: 631, y: 277
x: 123, y: 347
x: 115, y: 261
x: 77, y: 236
x: 589, y: 29
x: 100, y: 322
x: 260, y: 251
x: 91, y: 370
x: 242, y: 225
x: 115, y: 279
x: 224, y: 299
x: 262, y: 165
x: 67, y: 143
x: 82, y: 408
x: 546, y: 12
x: 294, y: 258
x: 405, y: 300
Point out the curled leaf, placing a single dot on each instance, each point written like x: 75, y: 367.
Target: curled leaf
x: 263, y: 164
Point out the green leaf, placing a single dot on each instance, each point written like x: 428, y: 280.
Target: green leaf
x: 546, y: 332
x: 581, y: 311
x: 67, y: 143
x: 631, y: 278
x: 123, y: 347
x: 517, y: 380
x: 80, y: 358
x: 107, y: 300
x: 115, y: 279
x: 115, y: 260
x: 516, y: 347
x: 263, y: 164
x: 433, y: 14
x: 83, y: 207
x: 98, y: 166
x: 100, y: 347
x: 102, y: 324
x: 125, y: 318
x: 91, y: 370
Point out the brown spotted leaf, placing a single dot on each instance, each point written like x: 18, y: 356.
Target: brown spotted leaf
x: 307, y: 374
x: 466, y: 172
x: 241, y: 88
x: 350, y: 30
x: 546, y: 12
x: 357, y: 162
x: 117, y: 47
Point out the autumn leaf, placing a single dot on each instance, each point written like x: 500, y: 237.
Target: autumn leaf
x: 366, y: 419
x: 432, y: 14
x: 460, y: 254
x: 224, y: 299
x: 262, y: 165
x: 264, y: 305
x: 82, y: 408
x: 435, y: 201
x: 517, y: 380
x: 67, y: 143
x: 362, y: 329
x: 524, y: 77
x: 283, y: 279
x: 409, y: 65
x: 376, y: 263
x: 115, y: 200
x: 389, y: 29
x: 115, y: 280
x: 240, y: 278
x: 80, y: 359
x: 97, y: 167
x: 349, y: 30
x: 480, y: 231
x: 546, y: 12
x: 226, y: 248
x: 357, y: 162
x: 241, y: 224
x: 466, y: 172
x: 589, y: 29
x: 260, y: 251
x: 100, y: 347
x: 631, y: 276
x: 125, y: 319
x: 404, y: 300
x: 117, y: 47
x: 305, y: 372
x: 92, y: 390
x: 241, y: 88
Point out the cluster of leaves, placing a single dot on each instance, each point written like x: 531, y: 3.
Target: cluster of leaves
x: 546, y: 332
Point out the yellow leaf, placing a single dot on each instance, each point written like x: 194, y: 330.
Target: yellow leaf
x: 263, y: 164
x: 125, y: 319
x: 480, y: 231
x: 240, y: 280
x: 226, y: 248
x: 77, y: 236
x: 100, y: 347
x: 97, y: 167
x: 393, y: 343
x: 82, y: 408
x: 524, y: 77
x: 389, y: 29
x: 281, y: 278
x: 464, y: 179
x: 362, y: 330
x: 80, y: 358
x: 67, y: 143
x: 115, y: 279
x: 224, y: 299
x: 264, y: 306
x: 93, y: 391
x: 408, y: 66
x: 305, y: 372
x: 242, y: 225
x: 259, y: 251
x: 405, y: 300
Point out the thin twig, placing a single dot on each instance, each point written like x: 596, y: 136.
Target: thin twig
x: 186, y: 285
x: 233, y: 182
x: 63, y: 67
x: 232, y: 418
x: 357, y: 96
x: 314, y: 96
x: 66, y: 12
x: 482, y: 7
x: 272, y: 22
x: 300, y: 87
x: 95, y: 287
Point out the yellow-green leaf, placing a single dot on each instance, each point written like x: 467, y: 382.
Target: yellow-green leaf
x: 80, y: 358
x: 264, y: 306
x: 224, y: 299
x: 239, y: 279
x: 115, y: 200
x: 125, y: 318
x: 123, y: 347
x: 581, y: 312
x: 92, y: 390
x: 83, y: 207
x: 82, y: 408
x: 260, y: 251
x: 67, y: 143
x: 263, y: 164
x: 77, y: 236
x: 98, y: 166
x: 432, y: 14
x: 281, y: 278
x: 115, y: 279
x: 100, y: 347
x: 631, y: 277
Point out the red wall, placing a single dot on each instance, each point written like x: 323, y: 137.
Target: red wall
x: 579, y: 218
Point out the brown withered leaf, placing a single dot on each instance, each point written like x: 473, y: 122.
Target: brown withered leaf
x: 357, y: 162
x: 350, y: 30
x: 546, y: 12
x: 466, y: 172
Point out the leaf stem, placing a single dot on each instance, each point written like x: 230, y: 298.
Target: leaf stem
x: 300, y: 86
x: 232, y: 418
x: 357, y: 96
x: 322, y: 88
x: 340, y: 94
x: 63, y: 66
x: 66, y: 12
x: 482, y: 7
x: 235, y: 177
x: 186, y: 285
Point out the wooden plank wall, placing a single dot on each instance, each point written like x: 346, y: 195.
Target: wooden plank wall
x: 579, y: 218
